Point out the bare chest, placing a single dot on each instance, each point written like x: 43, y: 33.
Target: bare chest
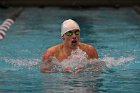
x: 61, y: 56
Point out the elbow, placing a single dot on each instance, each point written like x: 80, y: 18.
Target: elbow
x: 42, y: 70
x: 45, y: 70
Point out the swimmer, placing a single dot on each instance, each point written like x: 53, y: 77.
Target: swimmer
x: 70, y: 34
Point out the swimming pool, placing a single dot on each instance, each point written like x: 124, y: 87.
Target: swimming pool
x: 114, y: 32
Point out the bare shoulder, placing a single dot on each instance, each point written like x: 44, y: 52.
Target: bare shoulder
x: 90, y: 47
x: 87, y: 46
x: 50, y: 52
x: 90, y: 50
x: 51, y: 49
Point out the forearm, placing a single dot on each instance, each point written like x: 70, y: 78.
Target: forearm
x: 96, y: 66
x: 45, y: 67
x: 45, y: 70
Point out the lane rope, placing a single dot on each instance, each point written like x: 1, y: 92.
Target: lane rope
x: 5, y: 26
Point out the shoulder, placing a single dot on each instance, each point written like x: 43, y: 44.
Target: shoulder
x: 86, y: 46
x: 83, y: 45
x: 50, y: 52
x: 90, y: 47
x: 90, y: 50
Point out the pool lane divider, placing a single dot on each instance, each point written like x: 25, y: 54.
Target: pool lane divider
x: 5, y: 26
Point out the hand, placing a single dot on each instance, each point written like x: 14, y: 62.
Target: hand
x: 78, y: 69
x: 68, y: 69
x: 75, y: 71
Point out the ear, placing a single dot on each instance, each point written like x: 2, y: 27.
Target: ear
x: 63, y: 37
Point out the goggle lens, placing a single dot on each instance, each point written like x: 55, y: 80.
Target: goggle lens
x: 77, y: 32
x: 70, y: 33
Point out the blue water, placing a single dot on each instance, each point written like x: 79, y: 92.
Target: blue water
x: 114, y: 32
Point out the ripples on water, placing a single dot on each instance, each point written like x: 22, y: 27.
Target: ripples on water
x: 59, y: 82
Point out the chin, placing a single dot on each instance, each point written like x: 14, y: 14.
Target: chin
x: 74, y: 46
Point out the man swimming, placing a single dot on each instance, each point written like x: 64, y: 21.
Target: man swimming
x: 70, y: 34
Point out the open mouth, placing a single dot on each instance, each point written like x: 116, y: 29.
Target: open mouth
x: 74, y: 41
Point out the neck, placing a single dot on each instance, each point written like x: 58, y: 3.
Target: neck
x: 67, y: 49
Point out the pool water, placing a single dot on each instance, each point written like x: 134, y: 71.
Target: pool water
x: 114, y: 32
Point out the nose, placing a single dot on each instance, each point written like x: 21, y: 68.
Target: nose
x: 74, y: 36
x: 74, y: 40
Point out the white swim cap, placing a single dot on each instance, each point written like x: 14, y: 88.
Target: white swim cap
x: 68, y: 25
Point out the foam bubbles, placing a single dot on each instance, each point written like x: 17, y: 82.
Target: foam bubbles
x: 20, y: 62
x: 79, y: 58
x: 111, y: 61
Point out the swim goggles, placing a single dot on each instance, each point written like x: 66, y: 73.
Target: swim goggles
x: 70, y: 33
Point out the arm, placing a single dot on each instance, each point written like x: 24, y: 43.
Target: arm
x: 46, y: 64
x: 98, y: 65
x: 92, y: 53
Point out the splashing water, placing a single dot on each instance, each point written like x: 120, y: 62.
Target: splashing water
x: 110, y: 61
x: 28, y: 63
x: 79, y: 58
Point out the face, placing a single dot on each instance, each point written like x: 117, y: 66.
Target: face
x: 71, y: 38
